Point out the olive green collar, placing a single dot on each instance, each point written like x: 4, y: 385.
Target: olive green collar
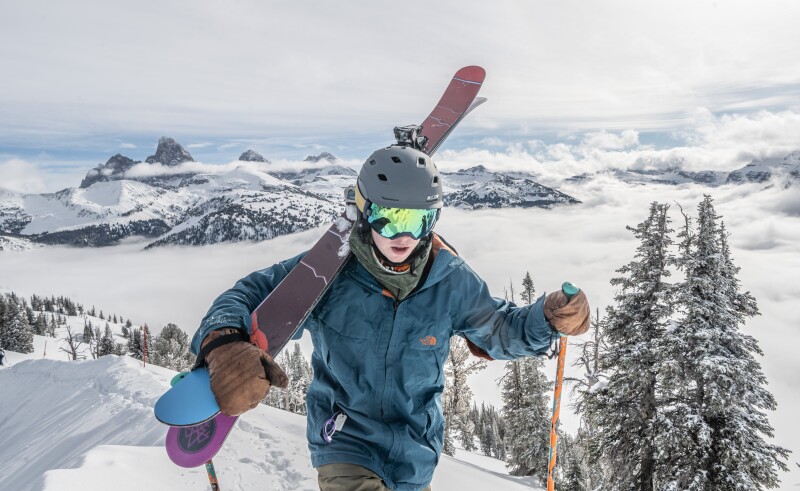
x: 399, y: 283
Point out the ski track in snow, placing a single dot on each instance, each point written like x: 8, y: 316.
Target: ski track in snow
x: 69, y: 426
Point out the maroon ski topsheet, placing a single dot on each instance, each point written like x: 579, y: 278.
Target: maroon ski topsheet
x: 282, y: 313
x: 453, y: 105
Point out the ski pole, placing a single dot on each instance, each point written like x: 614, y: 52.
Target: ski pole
x: 212, y: 476
x: 569, y: 290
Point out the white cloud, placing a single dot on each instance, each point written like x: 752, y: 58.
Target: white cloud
x: 19, y: 176
x: 603, y: 140
x: 199, y: 145
x: 127, y: 145
x: 723, y: 143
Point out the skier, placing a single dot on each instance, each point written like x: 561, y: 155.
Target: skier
x: 381, y: 334
x: 2, y: 356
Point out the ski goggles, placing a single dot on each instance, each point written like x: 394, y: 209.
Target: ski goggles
x: 398, y: 222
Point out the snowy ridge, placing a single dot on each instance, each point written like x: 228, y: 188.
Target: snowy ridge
x: 756, y: 171
x: 478, y: 187
x: 175, y: 204
x: 89, y: 425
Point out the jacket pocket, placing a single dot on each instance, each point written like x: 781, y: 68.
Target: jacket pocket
x: 427, y: 348
x: 343, y: 341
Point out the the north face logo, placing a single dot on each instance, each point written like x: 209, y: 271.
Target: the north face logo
x: 428, y: 341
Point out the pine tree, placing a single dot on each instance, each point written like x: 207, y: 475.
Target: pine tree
x: 624, y: 412
x: 458, y: 395
x: 17, y: 334
x: 299, y: 380
x: 88, y: 331
x: 2, y: 318
x: 135, y: 344
x: 106, y: 344
x: 526, y: 411
x: 171, y: 349
x: 528, y: 290
x: 588, y: 362
x: 717, y: 395
x: 40, y: 325
x: 569, y: 468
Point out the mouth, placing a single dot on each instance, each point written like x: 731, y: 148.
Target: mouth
x: 400, y: 250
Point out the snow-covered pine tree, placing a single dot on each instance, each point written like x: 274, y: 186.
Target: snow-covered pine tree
x: 17, y: 334
x: 2, y: 318
x: 528, y: 290
x: 40, y: 326
x: 589, y: 363
x: 458, y: 395
x: 106, y: 344
x: 569, y: 469
x: 135, y: 344
x: 716, y: 389
x: 624, y: 412
x: 299, y: 380
x: 526, y: 412
x: 171, y: 349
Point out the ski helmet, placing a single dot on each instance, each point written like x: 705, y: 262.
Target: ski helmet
x: 399, y: 192
x: 399, y: 177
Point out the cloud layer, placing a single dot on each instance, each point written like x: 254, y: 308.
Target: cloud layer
x: 710, y: 142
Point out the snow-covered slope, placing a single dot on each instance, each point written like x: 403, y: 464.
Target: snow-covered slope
x: 89, y: 425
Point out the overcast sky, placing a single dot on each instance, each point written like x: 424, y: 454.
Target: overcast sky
x: 87, y: 78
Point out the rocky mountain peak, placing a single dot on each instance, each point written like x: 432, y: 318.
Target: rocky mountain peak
x: 323, y: 156
x: 478, y: 169
x: 117, y: 165
x: 252, y: 156
x: 169, y: 153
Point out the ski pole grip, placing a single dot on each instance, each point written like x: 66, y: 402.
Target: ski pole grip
x: 569, y: 289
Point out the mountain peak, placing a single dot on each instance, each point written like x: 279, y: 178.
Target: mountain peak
x: 169, y: 153
x: 478, y: 169
x: 117, y: 165
x: 323, y: 156
x: 252, y: 156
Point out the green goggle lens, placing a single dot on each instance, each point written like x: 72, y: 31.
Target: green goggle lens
x: 396, y: 222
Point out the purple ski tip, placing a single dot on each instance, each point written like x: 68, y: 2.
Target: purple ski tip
x: 193, y: 446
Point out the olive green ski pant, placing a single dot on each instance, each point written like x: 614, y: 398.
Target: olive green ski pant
x: 350, y: 477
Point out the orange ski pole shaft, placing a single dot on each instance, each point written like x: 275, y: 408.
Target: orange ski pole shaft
x: 569, y: 290
x: 212, y: 476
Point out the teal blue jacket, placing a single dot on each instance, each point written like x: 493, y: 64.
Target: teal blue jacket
x: 381, y: 362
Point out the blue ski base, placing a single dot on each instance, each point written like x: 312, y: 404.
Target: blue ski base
x: 189, y: 402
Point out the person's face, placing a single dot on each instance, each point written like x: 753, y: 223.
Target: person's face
x: 395, y: 250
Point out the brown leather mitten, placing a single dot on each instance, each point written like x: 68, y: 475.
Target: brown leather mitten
x: 570, y: 317
x: 241, y: 374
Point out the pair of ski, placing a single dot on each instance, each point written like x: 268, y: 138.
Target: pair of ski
x: 198, y: 429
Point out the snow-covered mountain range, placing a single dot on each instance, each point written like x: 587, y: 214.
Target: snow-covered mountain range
x: 755, y: 171
x: 170, y: 199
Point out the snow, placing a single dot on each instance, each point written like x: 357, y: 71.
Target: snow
x: 76, y: 425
